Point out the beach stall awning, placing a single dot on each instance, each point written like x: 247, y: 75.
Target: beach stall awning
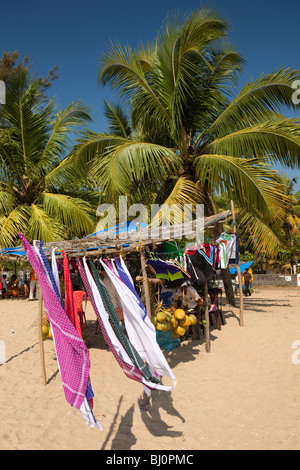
x: 123, y: 237
x: 12, y: 252
x: 243, y: 266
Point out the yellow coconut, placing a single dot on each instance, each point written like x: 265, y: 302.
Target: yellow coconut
x: 186, y: 322
x: 179, y: 314
x: 45, y: 330
x: 161, y: 326
x: 161, y: 317
x: 180, y: 330
x: 193, y: 319
x: 174, y: 322
x: 154, y: 320
x: 174, y: 334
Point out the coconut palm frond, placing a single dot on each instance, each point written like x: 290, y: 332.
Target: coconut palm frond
x: 184, y: 196
x: 133, y: 161
x: 117, y: 119
x: 16, y: 221
x: 260, y: 236
x: 41, y: 226
x: 278, y: 142
x: 250, y: 182
x: 73, y: 213
x: 253, y: 104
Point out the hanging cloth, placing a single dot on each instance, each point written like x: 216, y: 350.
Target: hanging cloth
x: 70, y: 308
x: 72, y: 354
x: 123, y: 274
x: 55, y: 271
x: 50, y: 273
x: 200, y: 267
x: 142, y: 334
x: 119, y: 328
x: 109, y: 335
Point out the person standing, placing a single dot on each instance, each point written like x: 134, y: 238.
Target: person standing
x: 3, y: 285
x: 247, y: 279
x: 34, y: 286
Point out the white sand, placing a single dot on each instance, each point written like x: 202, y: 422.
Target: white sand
x: 244, y: 394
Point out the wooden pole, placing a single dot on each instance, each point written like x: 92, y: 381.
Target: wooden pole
x: 145, y: 278
x: 238, y: 270
x: 42, y: 353
x: 206, y: 316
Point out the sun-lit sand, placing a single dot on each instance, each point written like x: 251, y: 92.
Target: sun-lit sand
x: 244, y: 394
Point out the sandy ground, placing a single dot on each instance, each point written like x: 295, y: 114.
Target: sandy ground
x: 244, y: 394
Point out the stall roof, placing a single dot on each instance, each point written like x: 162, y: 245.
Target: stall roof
x: 243, y: 266
x: 123, y: 237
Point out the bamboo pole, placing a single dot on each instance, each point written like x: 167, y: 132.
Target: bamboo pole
x: 238, y: 270
x: 206, y: 316
x: 42, y: 353
x: 145, y: 278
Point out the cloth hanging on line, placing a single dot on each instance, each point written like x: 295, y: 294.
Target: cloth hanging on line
x: 119, y: 327
x: 169, y: 270
x: 231, y: 242
x: 123, y: 274
x: 141, y: 332
x: 199, y: 267
x: 109, y: 335
x: 72, y: 354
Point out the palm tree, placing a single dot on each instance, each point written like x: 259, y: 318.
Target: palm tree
x: 39, y: 191
x: 182, y: 131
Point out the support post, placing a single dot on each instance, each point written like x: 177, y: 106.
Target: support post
x: 239, y: 274
x: 42, y: 353
x: 206, y: 316
x: 145, y: 278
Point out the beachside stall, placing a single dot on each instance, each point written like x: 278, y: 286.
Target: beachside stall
x: 147, y: 320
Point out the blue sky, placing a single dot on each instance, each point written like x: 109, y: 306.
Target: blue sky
x: 74, y: 34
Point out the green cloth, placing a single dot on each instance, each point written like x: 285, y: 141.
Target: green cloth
x: 119, y: 327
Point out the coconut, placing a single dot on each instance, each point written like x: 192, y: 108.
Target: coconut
x: 161, y: 317
x: 186, y: 322
x: 180, y: 330
x: 179, y: 314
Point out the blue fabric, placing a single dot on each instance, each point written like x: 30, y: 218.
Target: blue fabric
x: 50, y: 273
x: 166, y: 341
x: 128, y: 283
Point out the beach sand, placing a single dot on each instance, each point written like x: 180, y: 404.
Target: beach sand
x: 244, y: 394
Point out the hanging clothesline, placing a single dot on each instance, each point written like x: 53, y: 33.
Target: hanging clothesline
x: 137, y: 351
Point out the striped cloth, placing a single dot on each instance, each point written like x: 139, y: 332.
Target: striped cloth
x: 109, y: 335
x: 72, y: 353
x: 119, y: 328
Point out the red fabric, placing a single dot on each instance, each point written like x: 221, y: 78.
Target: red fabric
x: 69, y: 298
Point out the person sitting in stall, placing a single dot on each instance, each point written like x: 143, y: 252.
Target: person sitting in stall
x: 13, y: 288
x: 186, y: 297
